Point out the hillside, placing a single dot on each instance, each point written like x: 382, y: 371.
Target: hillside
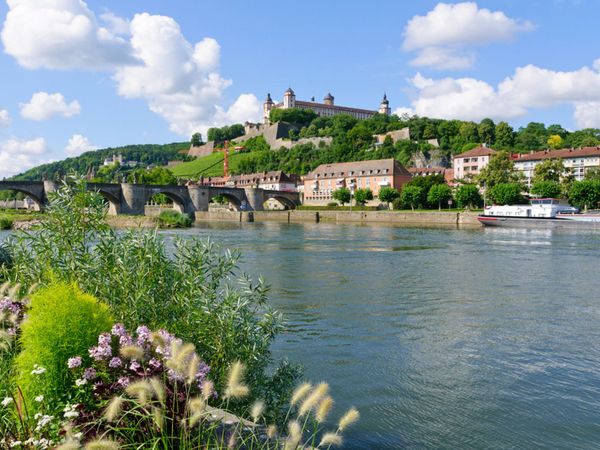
x: 207, y: 166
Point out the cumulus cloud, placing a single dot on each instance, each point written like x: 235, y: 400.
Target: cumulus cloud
x: 60, y: 34
x: 5, y: 119
x: 529, y: 87
x: 78, y: 144
x: 18, y: 155
x: 149, y: 58
x: 43, y: 106
x: 440, y: 36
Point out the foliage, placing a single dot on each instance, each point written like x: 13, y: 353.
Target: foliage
x: 342, y: 195
x: 555, y: 141
x: 411, y: 196
x: 363, y: 195
x: 551, y: 169
x: 62, y: 321
x: 296, y: 116
x: 388, y: 194
x: 5, y: 223
x: 196, y: 139
x: 174, y: 219
x: 585, y: 194
x: 505, y: 136
x: 546, y: 189
x: 468, y: 196
x: 593, y: 173
x: 157, y: 175
x: 194, y: 293
x: 426, y: 183
x: 500, y: 170
x: 226, y: 133
x: 439, y: 193
x: 506, y: 193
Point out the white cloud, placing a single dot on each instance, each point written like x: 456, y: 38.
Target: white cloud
x: 402, y: 111
x: 19, y: 155
x: 5, y: 119
x: 440, y: 36
x: 78, y: 144
x: 149, y: 57
x: 60, y: 34
x: 529, y: 87
x: 43, y: 106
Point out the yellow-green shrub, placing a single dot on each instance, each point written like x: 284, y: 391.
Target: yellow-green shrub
x: 62, y: 322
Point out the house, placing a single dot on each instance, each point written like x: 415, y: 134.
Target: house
x: 271, y: 181
x: 469, y: 164
x: 320, y: 184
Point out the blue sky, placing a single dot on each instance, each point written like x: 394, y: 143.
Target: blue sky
x: 81, y: 75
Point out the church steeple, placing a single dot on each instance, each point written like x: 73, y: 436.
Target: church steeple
x: 384, y: 106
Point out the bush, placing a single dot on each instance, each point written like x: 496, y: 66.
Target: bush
x: 332, y: 204
x: 5, y: 223
x: 62, y: 322
x: 174, y: 219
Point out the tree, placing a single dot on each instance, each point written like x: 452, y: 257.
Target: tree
x: 296, y: 116
x: 585, y: 194
x: 551, y: 169
x: 506, y: 193
x: 546, y: 189
x: 411, y: 196
x: 592, y: 174
x: 363, y: 195
x: 505, y: 136
x: 468, y: 132
x: 500, y: 169
x: 487, y: 131
x: 468, y: 196
x: 342, y: 195
x: 555, y: 141
x: 196, y: 140
x: 439, y: 193
x: 225, y: 133
x: 388, y: 194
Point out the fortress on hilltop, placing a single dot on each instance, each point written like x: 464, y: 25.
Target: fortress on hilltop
x: 327, y: 108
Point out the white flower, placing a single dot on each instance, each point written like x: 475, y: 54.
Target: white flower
x: 45, y: 420
x: 15, y: 444
x: 71, y: 414
x: 80, y: 381
x: 7, y: 401
x: 39, y: 398
x: 38, y: 370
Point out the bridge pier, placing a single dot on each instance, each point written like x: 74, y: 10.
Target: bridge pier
x: 133, y: 199
x: 255, y: 198
x: 200, y: 197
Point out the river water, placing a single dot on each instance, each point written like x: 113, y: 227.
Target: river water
x: 443, y: 339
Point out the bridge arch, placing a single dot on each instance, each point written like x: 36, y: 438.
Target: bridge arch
x: 114, y: 203
x: 38, y: 201
x: 234, y: 200
x: 180, y: 202
x: 283, y: 200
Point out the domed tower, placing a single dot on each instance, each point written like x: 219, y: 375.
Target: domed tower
x: 328, y: 99
x: 384, y: 106
x: 267, y: 106
x: 289, y: 99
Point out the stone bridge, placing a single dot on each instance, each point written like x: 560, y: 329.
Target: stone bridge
x: 131, y: 199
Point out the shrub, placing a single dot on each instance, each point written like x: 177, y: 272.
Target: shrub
x: 174, y: 219
x: 332, y: 204
x: 62, y: 322
x: 5, y: 223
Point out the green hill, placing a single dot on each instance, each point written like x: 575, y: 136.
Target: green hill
x: 207, y: 166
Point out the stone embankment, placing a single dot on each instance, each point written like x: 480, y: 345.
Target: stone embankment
x: 408, y: 218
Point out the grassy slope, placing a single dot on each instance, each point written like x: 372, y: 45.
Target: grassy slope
x: 208, y: 166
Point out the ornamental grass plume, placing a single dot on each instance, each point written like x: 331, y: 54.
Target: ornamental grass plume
x: 351, y: 416
x: 113, y: 409
x: 132, y: 352
x: 141, y: 390
x: 192, y: 369
x: 294, y: 436
x: 159, y: 389
x: 5, y: 286
x: 324, y: 408
x: 208, y: 389
x: 313, y: 398
x: 235, y: 388
x: 300, y: 392
x: 271, y: 431
x: 257, y: 410
x: 69, y: 445
x: 330, y: 439
x: 102, y: 444
x: 158, y: 417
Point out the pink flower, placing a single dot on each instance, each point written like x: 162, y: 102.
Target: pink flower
x: 104, y: 339
x: 100, y: 352
x: 89, y: 373
x: 143, y: 334
x: 74, y: 362
x: 118, y: 329
x: 134, y: 366
x: 123, y: 381
x: 115, y: 362
x: 125, y: 339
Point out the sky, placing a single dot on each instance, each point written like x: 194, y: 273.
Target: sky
x: 78, y: 75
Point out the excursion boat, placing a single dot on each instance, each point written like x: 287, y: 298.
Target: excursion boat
x: 541, y: 213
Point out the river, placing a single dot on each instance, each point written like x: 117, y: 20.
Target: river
x: 443, y: 339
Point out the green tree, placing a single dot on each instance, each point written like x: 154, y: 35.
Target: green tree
x: 439, y: 193
x: 487, y: 131
x: 506, y: 193
x: 546, y: 189
x: 592, y: 174
x: 505, y: 136
x: 196, y: 140
x: 500, y: 170
x: 555, y: 141
x: 468, y: 132
x: 585, y: 194
x: 363, y: 195
x: 388, y: 194
x: 551, y: 169
x: 342, y: 195
x: 468, y: 196
x: 411, y: 196
x: 296, y: 116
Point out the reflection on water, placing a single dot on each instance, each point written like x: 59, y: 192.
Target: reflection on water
x: 444, y: 339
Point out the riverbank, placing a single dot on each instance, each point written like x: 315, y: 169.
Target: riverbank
x: 409, y: 218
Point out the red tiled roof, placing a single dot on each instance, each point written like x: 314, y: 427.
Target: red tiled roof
x: 477, y: 151
x: 392, y: 166
x: 562, y: 153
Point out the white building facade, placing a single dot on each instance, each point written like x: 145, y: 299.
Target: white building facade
x: 469, y: 164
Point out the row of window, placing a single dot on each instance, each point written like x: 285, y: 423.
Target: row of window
x: 352, y: 173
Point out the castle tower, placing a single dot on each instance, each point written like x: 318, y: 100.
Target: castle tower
x: 384, y: 106
x: 328, y: 99
x: 289, y: 99
x: 267, y: 106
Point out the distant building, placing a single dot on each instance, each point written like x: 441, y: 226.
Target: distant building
x: 327, y: 108
x: 375, y: 174
x: 113, y: 160
x: 576, y: 160
x: 271, y: 181
x: 448, y: 174
x: 469, y: 164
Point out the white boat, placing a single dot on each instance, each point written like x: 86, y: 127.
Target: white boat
x: 541, y: 213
